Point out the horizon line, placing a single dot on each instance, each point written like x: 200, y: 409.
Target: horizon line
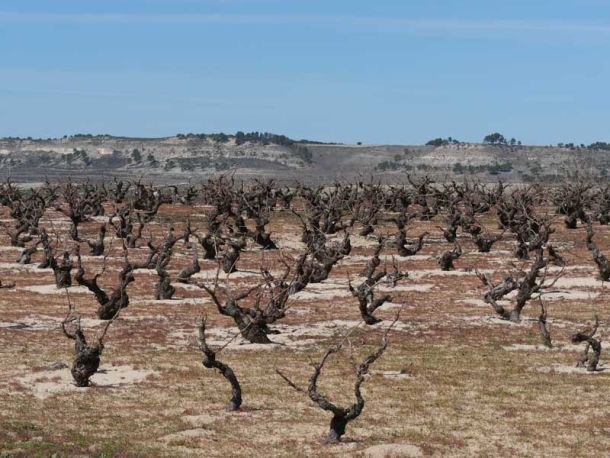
x: 296, y: 140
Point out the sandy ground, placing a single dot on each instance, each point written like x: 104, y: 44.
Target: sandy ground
x: 455, y: 381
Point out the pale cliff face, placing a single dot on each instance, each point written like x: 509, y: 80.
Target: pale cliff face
x: 175, y: 158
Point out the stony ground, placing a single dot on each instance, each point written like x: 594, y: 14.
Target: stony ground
x: 455, y: 380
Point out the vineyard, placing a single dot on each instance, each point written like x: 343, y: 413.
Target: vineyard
x: 252, y: 319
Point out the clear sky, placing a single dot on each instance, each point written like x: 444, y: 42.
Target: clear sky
x: 376, y: 71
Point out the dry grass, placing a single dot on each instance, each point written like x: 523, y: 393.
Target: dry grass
x: 454, y: 381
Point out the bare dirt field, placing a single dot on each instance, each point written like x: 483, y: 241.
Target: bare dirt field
x: 455, y: 380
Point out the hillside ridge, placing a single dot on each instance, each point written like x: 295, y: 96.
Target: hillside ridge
x: 181, y: 157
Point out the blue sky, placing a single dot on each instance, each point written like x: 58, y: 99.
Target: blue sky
x: 337, y: 70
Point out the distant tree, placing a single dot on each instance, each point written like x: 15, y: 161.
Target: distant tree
x: 600, y: 146
x: 443, y: 142
x: 152, y: 161
x: 437, y: 142
x: 219, y: 138
x: 495, y: 139
x: 136, y: 155
x: 85, y: 157
x: 240, y: 138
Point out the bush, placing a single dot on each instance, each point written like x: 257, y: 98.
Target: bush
x: 599, y: 146
x: 152, y: 161
x: 136, y: 155
x: 387, y: 165
x: 437, y: 142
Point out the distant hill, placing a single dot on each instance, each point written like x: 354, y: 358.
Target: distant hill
x: 179, y: 158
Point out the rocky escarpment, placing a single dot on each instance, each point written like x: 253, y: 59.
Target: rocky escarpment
x: 132, y: 156
x: 176, y: 159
